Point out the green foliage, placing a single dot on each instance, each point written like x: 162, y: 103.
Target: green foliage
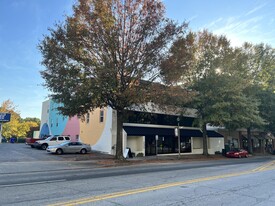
x: 221, y: 101
x: 219, y: 76
x: 32, y: 119
x: 260, y: 64
x: 267, y: 108
x: 21, y: 140
x: 16, y: 127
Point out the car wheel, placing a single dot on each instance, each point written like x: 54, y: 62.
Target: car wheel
x: 246, y: 156
x: 240, y: 156
x: 44, y: 146
x: 59, y: 151
x: 83, y: 151
x: 32, y: 146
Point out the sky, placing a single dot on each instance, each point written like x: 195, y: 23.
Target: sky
x: 23, y: 23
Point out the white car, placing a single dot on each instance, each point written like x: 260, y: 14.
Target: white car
x: 50, y: 141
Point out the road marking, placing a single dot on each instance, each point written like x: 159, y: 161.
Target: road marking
x: 264, y: 166
x: 80, y: 201
x: 33, y: 183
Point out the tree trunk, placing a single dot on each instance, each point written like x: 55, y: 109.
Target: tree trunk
x: 204, y: 140
x: 249, y: 142
x: 119, y: 139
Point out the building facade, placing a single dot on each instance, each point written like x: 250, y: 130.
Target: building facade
x: 54, y: 123
x: 145, y: 133
x: 261, y: 142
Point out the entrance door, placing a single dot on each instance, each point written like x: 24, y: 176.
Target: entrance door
x: 167, y: 145
x: 150, y: 145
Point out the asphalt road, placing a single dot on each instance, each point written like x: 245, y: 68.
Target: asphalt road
x: 57, y: 180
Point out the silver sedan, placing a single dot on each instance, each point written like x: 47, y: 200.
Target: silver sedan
x: 70, y: 147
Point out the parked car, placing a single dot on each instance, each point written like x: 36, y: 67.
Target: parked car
x: 237, y: 153
x: 30, y: 141
x: 51, y: 141
x: 70, y: 147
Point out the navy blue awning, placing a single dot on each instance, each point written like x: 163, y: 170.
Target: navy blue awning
x: 211, y: 133
x: 190, y: 133
x: 144, y: 131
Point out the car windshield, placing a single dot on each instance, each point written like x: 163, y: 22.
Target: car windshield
x: 48, y: 138
x: 64, y: 143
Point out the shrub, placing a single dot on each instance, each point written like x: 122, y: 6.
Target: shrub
x: 140, y: 155
x: 21, y: 140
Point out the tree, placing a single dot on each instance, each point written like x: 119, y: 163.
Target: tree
x: 11, y: 128
x: 260, y: 67
x: 99, y: 56
x: 33, y: 124
x: 214, y: 72
x: 32, y: 119
x: 17, y: 127
x: 261, y: 64
x: 267, y: 108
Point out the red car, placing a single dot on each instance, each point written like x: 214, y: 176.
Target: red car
x: 237, y: 153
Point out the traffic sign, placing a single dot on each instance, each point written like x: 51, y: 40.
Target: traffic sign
x: 5, y: 117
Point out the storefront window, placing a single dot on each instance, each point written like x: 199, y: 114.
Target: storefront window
x: 166, y: 145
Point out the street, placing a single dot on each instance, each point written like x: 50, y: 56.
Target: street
x: 58, y: 180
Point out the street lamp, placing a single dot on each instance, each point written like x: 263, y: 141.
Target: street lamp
x: 178, y: 120
x: 157, y: 138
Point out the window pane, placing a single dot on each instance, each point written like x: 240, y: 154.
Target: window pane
x: 53, y: 139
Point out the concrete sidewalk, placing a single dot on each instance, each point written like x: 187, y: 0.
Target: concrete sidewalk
x: 105, y: 160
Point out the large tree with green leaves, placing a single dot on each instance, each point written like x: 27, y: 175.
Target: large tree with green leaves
x: 267, y: 108
x: 259, y: 64
x: 100, y: 54
x: 214, y: 71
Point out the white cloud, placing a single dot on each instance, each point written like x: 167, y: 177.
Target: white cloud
x: 252, y: 26
x: 240, y: 29
x: 255, y: 9
x: 238, y: 25
x: 213, y: 23
x: 192, y: 18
